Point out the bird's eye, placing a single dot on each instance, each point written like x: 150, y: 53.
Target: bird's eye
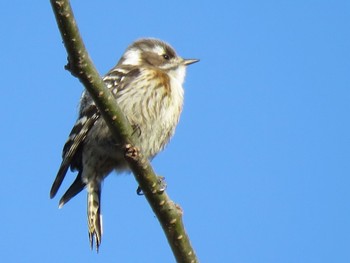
x: 165, y: 56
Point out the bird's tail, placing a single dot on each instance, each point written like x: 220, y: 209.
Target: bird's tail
x: 93, y: 213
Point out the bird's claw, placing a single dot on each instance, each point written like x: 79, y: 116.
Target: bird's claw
x: 162, y: 185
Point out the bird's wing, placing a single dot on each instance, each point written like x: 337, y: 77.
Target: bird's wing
x: 72, y: 149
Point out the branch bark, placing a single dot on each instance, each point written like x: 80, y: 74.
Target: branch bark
x: 80, y: 65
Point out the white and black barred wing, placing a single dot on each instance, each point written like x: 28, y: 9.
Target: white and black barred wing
x: 71, y: 155
x: 72, y: 150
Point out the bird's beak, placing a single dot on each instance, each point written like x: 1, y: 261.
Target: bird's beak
x: 187, y: 62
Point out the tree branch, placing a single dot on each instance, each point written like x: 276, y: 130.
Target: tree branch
x: 80, y: 65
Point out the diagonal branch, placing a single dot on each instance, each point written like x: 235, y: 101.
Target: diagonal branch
x: 80, y: 65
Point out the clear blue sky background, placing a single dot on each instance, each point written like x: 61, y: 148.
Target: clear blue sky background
x: 260, y: 162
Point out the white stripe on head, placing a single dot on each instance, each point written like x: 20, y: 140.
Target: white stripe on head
x: 132, y: 57
x: 158, y: 49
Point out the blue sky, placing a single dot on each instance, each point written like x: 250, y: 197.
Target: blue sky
x: 260, y: 162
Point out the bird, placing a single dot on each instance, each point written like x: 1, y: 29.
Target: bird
x: 147, y: 84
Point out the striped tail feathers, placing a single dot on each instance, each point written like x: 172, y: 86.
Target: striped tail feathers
x: 94, y: 213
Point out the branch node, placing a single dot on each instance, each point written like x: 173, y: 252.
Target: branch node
x: 179, y: 209
x: 131, y: 152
